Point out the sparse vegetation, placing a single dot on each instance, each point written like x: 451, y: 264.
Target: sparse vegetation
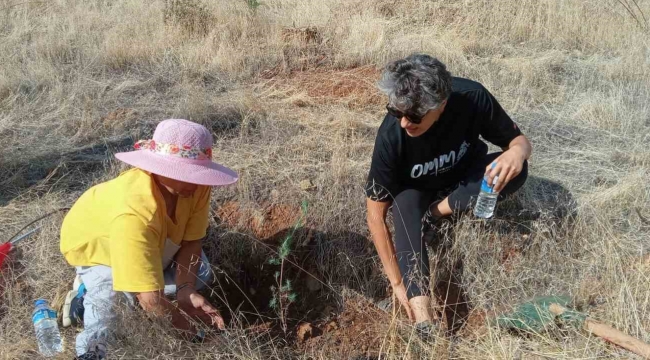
x: 282, y: 291
x: 288, y: 91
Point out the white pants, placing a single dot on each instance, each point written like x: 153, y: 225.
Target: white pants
x: 100, y: 299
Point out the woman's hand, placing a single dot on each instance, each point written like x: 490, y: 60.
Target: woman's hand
x: 399, y: 291
x: 196, y: 305
x: 510, y: 163
x: 507, y: 167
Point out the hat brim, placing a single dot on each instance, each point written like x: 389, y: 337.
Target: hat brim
x: 200, y: 172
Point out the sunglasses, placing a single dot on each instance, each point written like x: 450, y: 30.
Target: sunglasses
x: 415, y: 119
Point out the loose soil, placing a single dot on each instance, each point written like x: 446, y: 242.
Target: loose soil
x: 321, y: 318
x: 264, y: 223
x: 354, y: 87
x: 248, y: 289
x: 352, y: 334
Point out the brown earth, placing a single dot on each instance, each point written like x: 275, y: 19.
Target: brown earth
x: 322, y: 319
x: 264, y: 222
x: 351, y: 334
x: 249, y: 288
x: 354, y: 87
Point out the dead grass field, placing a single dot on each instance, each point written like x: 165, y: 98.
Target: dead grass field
x: 288, y: 88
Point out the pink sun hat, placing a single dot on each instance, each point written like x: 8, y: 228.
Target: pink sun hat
x: 180, y: 150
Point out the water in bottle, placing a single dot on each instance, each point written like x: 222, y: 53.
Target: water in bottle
x: 487, y: 198
x: 47, y: 329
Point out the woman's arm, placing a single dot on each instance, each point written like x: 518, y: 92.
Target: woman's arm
x: 381, y: 237
x: 187, y: 263
x: 156, y: 303
x: 522, y: 146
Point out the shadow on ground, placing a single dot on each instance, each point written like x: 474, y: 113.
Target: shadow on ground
x: 540, y: 200
x: 259, y: 289
x: 68, y: 169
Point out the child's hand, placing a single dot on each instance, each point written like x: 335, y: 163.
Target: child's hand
x: 196, y: 305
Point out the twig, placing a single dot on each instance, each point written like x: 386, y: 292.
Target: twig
x: 634, y: 16
x: 643, y: 219
x: 641, y: 12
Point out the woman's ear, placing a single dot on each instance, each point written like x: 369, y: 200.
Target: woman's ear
x: 442, y: 105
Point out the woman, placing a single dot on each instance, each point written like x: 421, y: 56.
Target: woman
x: 428, y: 162
x: 140, y: 235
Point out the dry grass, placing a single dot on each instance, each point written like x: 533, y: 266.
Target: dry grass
x: 286, y: 88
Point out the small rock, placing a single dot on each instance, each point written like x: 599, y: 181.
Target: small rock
x: 306, y: 185
x: 305, y: 331
x: 275, y: 195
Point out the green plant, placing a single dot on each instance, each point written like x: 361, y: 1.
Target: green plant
x: 253, y: 4
x: 282, y: 294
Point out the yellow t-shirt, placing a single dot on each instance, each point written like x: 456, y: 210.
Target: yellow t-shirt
x: 123, y: 223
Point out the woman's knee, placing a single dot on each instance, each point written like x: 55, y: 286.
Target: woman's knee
x: 410, y: 204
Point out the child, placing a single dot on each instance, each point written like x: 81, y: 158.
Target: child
x: 139, y: 235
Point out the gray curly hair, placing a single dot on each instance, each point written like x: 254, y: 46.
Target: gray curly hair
x: 417, y: 83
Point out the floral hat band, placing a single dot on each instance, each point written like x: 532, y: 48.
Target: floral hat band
x: 184, y: 152
x: 181, y: 150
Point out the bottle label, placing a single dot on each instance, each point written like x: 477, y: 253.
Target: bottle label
x: 43, y: 314
x: 484, y: 184
x: 485, y: 187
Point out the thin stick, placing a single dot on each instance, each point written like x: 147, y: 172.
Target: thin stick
x: 634, y: 16
x: 641, y: 12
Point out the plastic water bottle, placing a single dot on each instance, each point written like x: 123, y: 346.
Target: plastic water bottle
x: 487, y: 198
x: 47, y: 329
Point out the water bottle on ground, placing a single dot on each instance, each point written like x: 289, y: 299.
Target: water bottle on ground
x: 47, y: 329
x: 487, y: 198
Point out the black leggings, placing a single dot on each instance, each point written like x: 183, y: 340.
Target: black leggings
x: 409, y: 210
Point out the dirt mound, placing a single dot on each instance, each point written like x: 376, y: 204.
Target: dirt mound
x: 348, y: 335
x: 264, y: 222
x: 354, y: 87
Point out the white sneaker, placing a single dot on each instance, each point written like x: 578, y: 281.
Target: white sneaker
x: 72, y: 311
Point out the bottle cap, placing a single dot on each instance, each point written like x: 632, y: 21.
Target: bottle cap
x: 40, y: 302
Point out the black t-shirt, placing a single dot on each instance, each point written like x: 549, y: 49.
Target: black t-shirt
x: 438, y: 158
